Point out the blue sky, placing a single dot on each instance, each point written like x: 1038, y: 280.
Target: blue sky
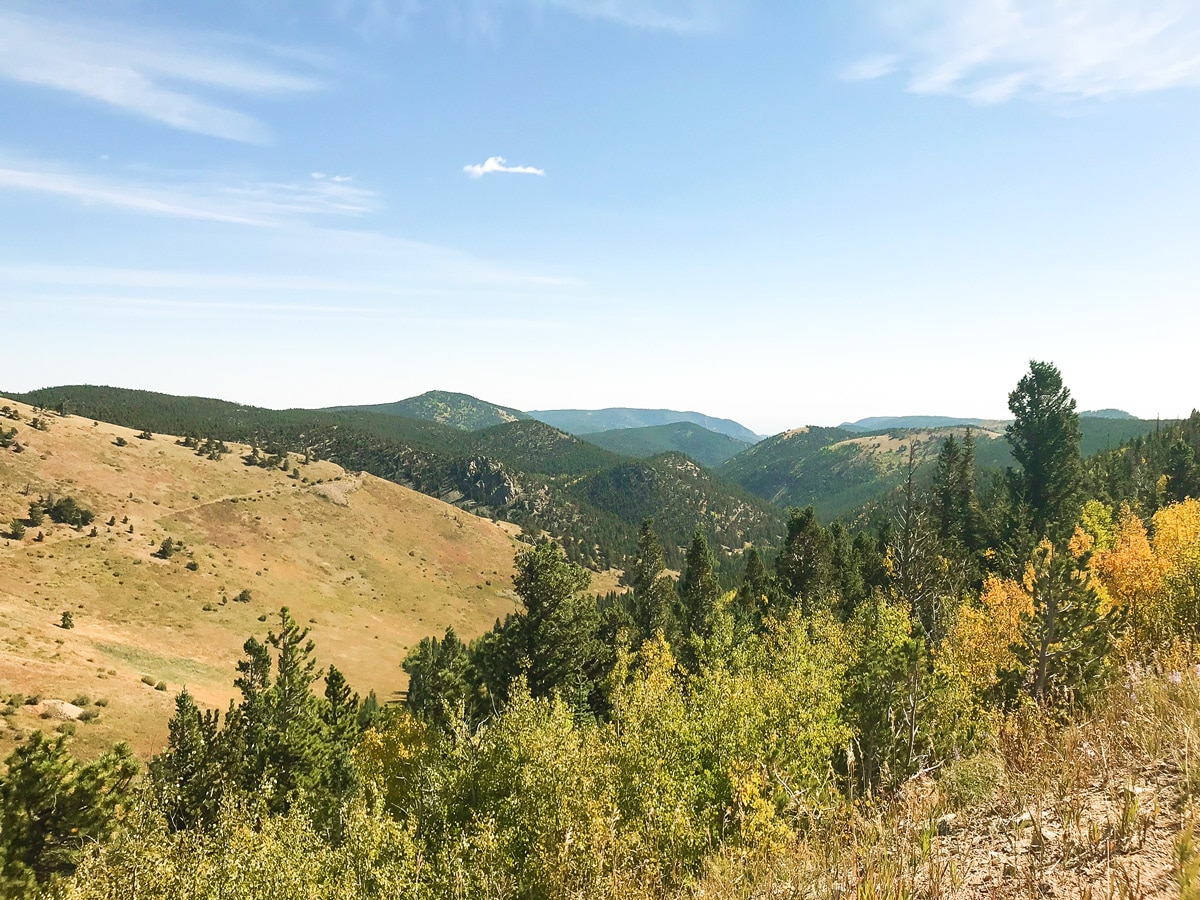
x: 783, y: 213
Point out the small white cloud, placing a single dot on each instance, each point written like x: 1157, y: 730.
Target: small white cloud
x: 318, y: 175
x: 341, y: 179
x: 497, y: 164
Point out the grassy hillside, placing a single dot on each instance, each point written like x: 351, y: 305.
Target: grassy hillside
x: 590, y: 421
x: 446, y: 408
x: 885, y: 423
x: 370, y: 565
x: 709, y: 448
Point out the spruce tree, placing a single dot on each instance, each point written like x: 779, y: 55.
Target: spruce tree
x: 1045, y: 440
x: 805, y: 565
x: 191, y: 775
x: 652, y: 600
x: 753, y: 596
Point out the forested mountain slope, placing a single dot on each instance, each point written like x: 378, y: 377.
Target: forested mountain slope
x: 709, y: 448
x: 446, y: 408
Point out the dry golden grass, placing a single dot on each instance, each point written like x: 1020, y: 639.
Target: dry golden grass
x: 890, y: 451
x: 370, y: 566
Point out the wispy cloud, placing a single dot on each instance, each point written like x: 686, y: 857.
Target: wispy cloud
x: 992, y: 51
x: 154, y: 75
x: 260, y: 203
x: 485, y: 16
x: 497, y: 164
x: 681, y: 16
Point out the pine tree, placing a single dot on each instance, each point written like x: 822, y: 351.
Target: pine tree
x: 805, y: 565
x: 753, y: 596
x: 438, y: 677
x: 190, y: 776
x: 557, y: 631
x: 1045, y: 440
x: 52, y: 808
x: 652, y: 600
x: 849, y: 587
x: 1066, y: 644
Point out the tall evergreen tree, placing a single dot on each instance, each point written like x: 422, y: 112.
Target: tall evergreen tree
x: 699, y: 589
x: 849, y: 587
x: 701, y: 613
x: 753, y: 596
x: 1045, y: 440
x: 438, y: 676
x: 277, y: 739
x: 805, y: 565
x: 190, y: 776
x: 1064, y: 654
x: 557, y: 630
x: 652, y: 600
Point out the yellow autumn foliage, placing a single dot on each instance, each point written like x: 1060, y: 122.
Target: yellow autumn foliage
x: 979, y: 643
x: 1154, y: 581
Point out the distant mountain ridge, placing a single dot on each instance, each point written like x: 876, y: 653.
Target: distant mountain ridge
x: 591, y: 421
x: 1106, y: 414
x: 709, y: 448
x: 879, y: 423
x: 446, y: 408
